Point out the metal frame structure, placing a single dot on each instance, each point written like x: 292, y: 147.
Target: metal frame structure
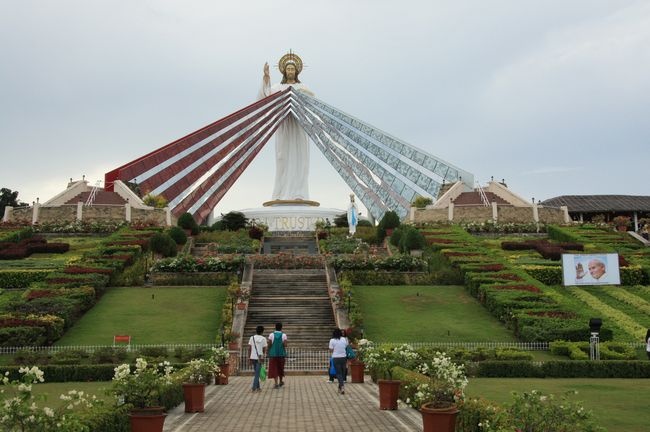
x: 195, y: 172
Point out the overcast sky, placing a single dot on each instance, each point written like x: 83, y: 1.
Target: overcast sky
x: 552, y: 96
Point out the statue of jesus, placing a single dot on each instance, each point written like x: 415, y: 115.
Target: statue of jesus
x: 291, y: 141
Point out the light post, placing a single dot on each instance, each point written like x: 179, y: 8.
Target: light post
x: 223, y: 336
x: 594, y: 348
x: 349, y: 294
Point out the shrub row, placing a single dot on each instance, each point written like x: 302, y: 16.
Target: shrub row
x: 366, y: 277
x: 561, y: 369
x: 519, y: 301
x: 21, y: 278
x: 552, y: 275
x: 44, y: 313
x: 200, y: 279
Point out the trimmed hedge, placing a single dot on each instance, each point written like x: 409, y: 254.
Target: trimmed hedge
x: 367, y: 277
x: 561, y: 369
x: 182, y: 279
x: 21, y: 278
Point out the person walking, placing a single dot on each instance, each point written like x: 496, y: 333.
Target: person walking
x: 647, y: 341
x: 337, y: 347
x: 277, y: 355
x: 256, y: 352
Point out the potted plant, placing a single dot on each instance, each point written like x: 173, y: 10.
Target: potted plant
x: 142, y: 388
x: 357, y: 365
x: 441, y: 395
x: 195, y: 376
x: 388, y: 387
x: 621, y: 222
x: 220, y: 356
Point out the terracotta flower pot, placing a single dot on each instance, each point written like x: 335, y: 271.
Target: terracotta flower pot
x: 222, y: 377
x: 356, y: 370
x: 438, y: 419
x: 150, y: 419
x: 388, y: 394
x: 194, y: 395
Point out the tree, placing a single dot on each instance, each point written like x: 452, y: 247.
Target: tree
x: 9, y: 198
x: 157, y: 201
x: 186, y: 221
x: 341, y: 221
x: 421, y: 202
x: 234, y: 221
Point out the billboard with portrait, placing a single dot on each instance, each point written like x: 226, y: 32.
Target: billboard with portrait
x: 591, y: 269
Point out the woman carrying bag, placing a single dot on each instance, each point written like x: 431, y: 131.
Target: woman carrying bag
x: 337, y: 347
x: 256, y: 345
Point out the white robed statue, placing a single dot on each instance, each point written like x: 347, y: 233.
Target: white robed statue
x: 353, y: 216
x: 291, y: 141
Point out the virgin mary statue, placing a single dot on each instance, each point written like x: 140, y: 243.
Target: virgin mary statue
x: 291, y: 141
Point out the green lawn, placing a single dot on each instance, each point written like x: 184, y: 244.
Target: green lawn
x: 52, y: 391
x: 618, y: 404
x: 156, y: 315
x: 426, y: 314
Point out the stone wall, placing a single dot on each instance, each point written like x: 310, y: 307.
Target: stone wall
x: 156, y: 216
x: 506, y: 214
x: 68, y: 213
x: 104, y: 213
x: 472, y: 214
x: 431, y: 215
x: 551, y: 215
x: 515, y: 214
x: 21, y: 215
x: 56, y: 214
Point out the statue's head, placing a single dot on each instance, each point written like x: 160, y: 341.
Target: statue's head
x: 290, y: 66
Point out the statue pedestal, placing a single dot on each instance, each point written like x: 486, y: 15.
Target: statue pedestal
x: 291, y: 217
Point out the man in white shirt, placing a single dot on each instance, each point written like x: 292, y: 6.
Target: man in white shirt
x: 256, y: 352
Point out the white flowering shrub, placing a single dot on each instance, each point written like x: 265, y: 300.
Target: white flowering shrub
x: 143, y: 386
x: 20, y: 412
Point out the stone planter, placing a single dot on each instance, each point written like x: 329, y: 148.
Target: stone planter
x: 438, y: 419
x: 388, y: 394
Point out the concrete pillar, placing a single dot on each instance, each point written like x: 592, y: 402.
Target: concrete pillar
x: 565, y: 210
x: 80, y: 210
x: 451, y: 212
x: 535, y: 213
x: 9, y: 210
x: 168, y: 216
x: 35, y: 212
x: 495, y: 212
x: 412, y: 214
x: 636, y: 222
x: 127, y: 211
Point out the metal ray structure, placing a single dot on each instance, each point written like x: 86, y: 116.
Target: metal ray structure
x: 195, y: 172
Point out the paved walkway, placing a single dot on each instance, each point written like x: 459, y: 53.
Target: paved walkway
x: 305, y: 403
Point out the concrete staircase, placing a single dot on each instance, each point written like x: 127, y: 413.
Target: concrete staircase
x: 296, y: 298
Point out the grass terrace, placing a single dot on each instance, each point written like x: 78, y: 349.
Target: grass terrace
x: 157, y: 315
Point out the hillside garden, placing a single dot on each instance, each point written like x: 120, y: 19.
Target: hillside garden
x: 475, y: 297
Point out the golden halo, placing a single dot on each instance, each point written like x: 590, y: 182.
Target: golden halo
x: 290, y: 58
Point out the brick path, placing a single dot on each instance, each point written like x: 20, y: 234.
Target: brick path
x: 305, y: 403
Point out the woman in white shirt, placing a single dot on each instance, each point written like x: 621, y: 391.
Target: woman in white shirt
x: 256, y: 350
x: 337, y: 347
